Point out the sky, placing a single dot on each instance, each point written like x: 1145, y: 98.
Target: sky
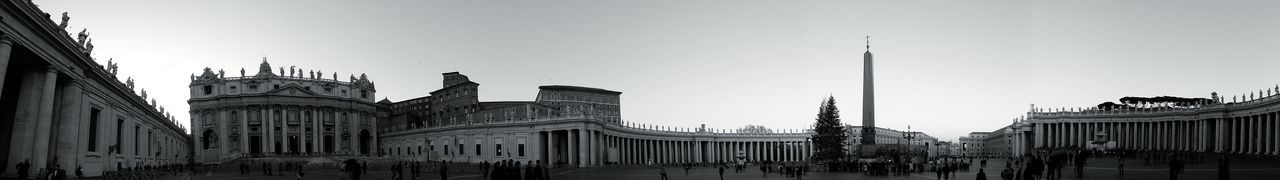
x: 945, y: 68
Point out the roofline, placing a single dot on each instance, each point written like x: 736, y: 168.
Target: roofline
x: 578, y: 88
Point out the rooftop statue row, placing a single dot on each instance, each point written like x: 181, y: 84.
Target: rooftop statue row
x: 86, y: 44
x: 264, y: 70
x: 1162, y: 103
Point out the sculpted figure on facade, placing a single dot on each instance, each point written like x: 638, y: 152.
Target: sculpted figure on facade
x: 88, y: 46
x: 84, y: 33
x: 241, y: 72
x: 292, y: 70
x: 282, y: 71
x: 65, y: 18
x: 144, y: 93
x: 129, y: 83
x: 221, y: 74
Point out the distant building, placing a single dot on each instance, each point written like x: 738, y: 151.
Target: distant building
x: 890, y: 138
x: 973, y: 144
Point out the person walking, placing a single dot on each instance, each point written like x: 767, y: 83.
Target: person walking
x: 663, y: 172
x: 300, y: 175
x: 981, y: 175
x: 444, y: 170
x: 721, y: 167
x: 353, y: 169
x: 23, y: 168
x: 1224, y: 168
x: 1007, y: 173
x: 1120, y: 165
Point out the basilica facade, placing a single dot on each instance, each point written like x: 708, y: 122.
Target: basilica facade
x: 292, y: 113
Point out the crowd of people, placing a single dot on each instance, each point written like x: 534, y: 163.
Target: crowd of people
x: 513, y: 170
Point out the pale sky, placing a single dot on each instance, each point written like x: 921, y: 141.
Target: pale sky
x: 946, y: 68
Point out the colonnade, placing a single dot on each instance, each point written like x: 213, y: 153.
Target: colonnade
x: 586, y: 147
x: 1257, y: 133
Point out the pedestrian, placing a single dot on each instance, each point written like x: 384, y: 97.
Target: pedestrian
x: 981, y: 175
x: 353, y: 169
x: 686, y: 168
x: 1120, y: 165
x: 444, y: 170
x: 299, y: 174
x: 79, y: 172
x: 23, y: 168
x: 721, y: 167
x: 663, y: 172
x: 1224, y: 168
x: 1007, y: 173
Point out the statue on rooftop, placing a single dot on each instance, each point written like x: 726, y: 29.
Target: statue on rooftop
x: 144, y: 93
x: 84, y: 33
x: 221, y: 74
x: 335, y: 76
x: 88, y: 46
x: 281, y: 70
x: 292, y: 70
x: 65, y: 18
x: 311, y: 74
x: 129, y: 83
x: 241, y: 72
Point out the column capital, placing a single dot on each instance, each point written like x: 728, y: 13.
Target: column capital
x: 6, y: 39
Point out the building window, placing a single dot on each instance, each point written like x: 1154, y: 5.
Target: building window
x: 208, y: 89
x: 93, y: 129
x: 446, y: 150
x: 364, y: 94
x: 520, y: 148
x: 119, y: 134
x: 135, y: 139
x: 253, y: 87
x: 277, y: 86
x: 477, y: 149
x: 498, y: 149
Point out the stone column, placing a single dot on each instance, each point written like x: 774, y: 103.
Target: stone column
x: 1275, y: 133
x: 45, y: 122
x: 573, y: 148
x: 1219, y: 135
x: 268, y: 119
x: 244, y: 130
x: 590, y: 147
x: 549, y: 149
x: 6, y: 49
x: 69, y: 122
x: 1254, y: 139
x: 1235, y: 135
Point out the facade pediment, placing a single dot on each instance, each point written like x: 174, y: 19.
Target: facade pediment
x: 292, y: 90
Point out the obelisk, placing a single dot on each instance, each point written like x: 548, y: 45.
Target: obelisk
x: 868, y: 99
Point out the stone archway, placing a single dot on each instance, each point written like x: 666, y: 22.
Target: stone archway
x: 209, y: 139
x: 365, y: 137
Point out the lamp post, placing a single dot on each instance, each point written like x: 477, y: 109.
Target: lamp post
x: 909, y: 136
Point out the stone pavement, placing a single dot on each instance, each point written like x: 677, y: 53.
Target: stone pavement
x: 1097, y: 168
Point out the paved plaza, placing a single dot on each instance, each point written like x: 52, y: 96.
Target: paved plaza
x: 1097, y: 168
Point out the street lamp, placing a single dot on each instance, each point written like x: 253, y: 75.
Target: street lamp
x: 909, y: 136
